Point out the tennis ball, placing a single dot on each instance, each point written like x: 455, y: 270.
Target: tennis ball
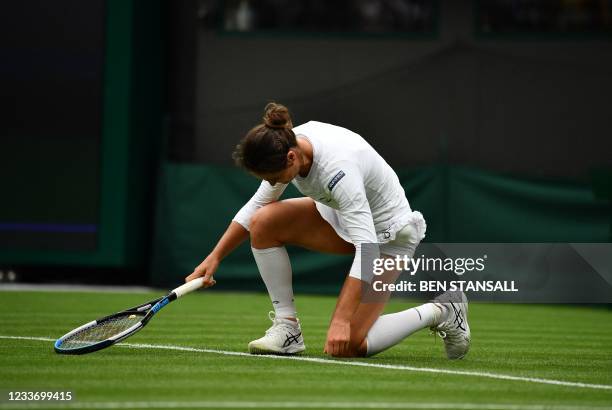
x: 132, y: 316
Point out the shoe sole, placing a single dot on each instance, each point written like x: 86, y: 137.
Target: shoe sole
x: 262, y: 350
x: 460, y: 357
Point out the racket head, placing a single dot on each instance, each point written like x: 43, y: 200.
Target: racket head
x: 101, y: 333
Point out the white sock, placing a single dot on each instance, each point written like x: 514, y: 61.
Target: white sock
x: 391, y: 329
x: 275, y: 269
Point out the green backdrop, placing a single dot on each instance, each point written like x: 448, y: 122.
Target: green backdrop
x: 128, y: 151
x: 197, y: 202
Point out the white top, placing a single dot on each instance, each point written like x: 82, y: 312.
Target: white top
x: 348, y: 175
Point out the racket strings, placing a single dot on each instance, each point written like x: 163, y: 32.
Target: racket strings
x: 100, y: 331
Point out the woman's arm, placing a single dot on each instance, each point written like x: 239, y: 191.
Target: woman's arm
x: 233, y: 236
x: 236, y: 233
x: 339, y: 333
x: 349, y: 192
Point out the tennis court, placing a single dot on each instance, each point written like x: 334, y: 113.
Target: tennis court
x: 193, y: 355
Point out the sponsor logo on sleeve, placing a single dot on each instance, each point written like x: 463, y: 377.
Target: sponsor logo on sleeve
x: 335, y: 180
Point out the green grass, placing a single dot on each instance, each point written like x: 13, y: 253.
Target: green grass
x: 552, y: 342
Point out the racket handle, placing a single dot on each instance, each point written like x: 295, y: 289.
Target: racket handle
x: 188, y: 287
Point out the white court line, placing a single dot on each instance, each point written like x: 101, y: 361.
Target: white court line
x: 497, y: 376
x: 289, y: 405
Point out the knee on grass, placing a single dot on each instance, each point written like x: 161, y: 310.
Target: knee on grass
x: 356, y: 349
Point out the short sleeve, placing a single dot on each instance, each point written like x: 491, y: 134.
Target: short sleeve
x: 264, y: 195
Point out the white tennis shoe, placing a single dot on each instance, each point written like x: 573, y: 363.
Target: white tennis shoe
x: 283, y: 337
x: 455, y: 330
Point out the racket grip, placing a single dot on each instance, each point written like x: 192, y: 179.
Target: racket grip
x: 188, y: 287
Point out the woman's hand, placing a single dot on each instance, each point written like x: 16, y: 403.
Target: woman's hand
x: 338, y: 338
x: 205, y: 269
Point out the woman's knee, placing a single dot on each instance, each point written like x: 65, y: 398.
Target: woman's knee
x: 263, y: 226
x: 359, y: 348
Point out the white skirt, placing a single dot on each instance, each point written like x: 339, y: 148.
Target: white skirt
x: 400, y: 239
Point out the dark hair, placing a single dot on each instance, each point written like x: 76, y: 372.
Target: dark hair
x: 264, y: 148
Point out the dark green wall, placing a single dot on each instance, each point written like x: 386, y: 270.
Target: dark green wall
x: 129, y: 146
x: 197, y: 202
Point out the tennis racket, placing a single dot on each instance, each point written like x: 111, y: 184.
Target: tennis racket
x: 107, y: 331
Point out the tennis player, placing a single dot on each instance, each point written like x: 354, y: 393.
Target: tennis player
x: 351, y: 197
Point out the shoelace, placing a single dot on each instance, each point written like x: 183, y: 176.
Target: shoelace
x: 435, y: 330
x: 272, y: 316
x: 438, y: 332
x: 277, y: 323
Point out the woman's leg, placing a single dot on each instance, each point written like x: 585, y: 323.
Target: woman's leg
x: 372, y: 333
x: 292, y: 221
x: 367, y: 313
x: 296, y: 222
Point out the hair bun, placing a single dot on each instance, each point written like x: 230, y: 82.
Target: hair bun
x: 277, y: 116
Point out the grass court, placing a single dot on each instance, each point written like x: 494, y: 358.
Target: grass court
x: 193, y: 355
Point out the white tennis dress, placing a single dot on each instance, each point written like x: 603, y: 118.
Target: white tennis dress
x: 355, y: 190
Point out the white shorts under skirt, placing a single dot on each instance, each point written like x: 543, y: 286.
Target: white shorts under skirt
x: 403, y: 240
